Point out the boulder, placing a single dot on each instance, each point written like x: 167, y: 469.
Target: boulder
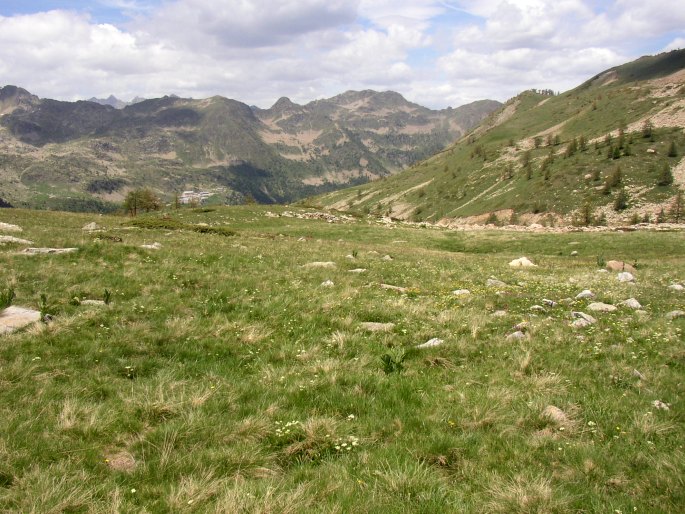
x: 676, y: 287
x: 431, y: 343
x: 326, y: 264
x: 585, y: 294
x: 601, y: 307
x: 493, y: 282
x: 13, y: 318
x: 8, y: 227
x: 91, y: 227
x: 522, y: 262
x: 461, y: 292
x: 14, y: 240
x: 327, y: 283
x: 36, y: 251
x: 619, y: 266
x: 357, y: 270
x: 153, y: 246
x: 394, y: 288
x: 373, y: 326
x: 675, y: 315
x: 626, y: 276
x: 516, y: 336
x: 631, y: 303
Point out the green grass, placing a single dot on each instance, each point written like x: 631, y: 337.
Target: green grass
x: 223, y: 377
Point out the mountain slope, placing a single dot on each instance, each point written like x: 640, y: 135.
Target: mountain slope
x: 564, y: 140
x: 76, y: 155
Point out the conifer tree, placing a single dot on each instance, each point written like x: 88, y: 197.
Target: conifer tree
x: 666, y: 176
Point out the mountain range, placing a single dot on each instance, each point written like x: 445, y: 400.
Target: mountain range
x: 610, y: 150
x: 86, y: 156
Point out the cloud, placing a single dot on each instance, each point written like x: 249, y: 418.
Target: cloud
x: 434, y: 52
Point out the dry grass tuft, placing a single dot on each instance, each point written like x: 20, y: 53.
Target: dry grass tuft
x: 524, y: 495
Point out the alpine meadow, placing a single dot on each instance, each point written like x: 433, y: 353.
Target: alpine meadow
x: 343, y: 303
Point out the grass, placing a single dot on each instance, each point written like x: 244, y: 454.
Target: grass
x: 223, y: 377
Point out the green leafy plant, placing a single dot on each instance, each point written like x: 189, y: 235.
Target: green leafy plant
x: 107, y: 297
x: 393, y: 361
x: 44, y: 314
x: 601, y: 262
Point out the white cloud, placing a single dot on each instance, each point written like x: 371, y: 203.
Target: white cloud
x: 259, y: 50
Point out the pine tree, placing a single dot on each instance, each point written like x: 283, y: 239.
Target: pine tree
x: 672, y: 150
x: 666, y: 176
x: 647, y: 128
x: 621, y: 201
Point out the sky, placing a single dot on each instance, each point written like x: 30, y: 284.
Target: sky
x: 437, y: 53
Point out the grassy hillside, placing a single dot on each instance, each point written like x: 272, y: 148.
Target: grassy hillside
x: 84, y: 155
x: 552, y: 155
x: 227, y: 374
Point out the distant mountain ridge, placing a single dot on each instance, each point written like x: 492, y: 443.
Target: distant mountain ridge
x: 611, y: 150
x: 55, y: 153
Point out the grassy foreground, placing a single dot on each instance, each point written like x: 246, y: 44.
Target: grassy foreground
x: 225, y: 377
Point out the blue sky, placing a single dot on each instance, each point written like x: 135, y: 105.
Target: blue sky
x: 435, y: 52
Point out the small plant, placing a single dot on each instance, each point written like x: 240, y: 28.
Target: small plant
x: 107, y: 297
x: 393, y: 361
x: 355, y: 253
x: 6, y: 298
x: 601, y: 262
x: 44, y: 314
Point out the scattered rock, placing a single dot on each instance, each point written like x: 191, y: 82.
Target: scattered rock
x: 14, y: 240
x: 327, y: 283
x: 431, y: 343
x: 549, y: 303
x: 675, y: 315
x: 677, y: 287
x: 587, y: 176
x: 516, y: 336
x: 8, y: 227
x: 619, y: 266
x: 387, y: 258
x: 153, y: 246
x: 499, y: 314
x: 372, y: 326
x: 582, y: 320
x: 538, y: 308
x: 522, y: 262
x: 302, y: 240
x: 493, y: 282
x: 461, y: 292
x: 13, y: 318
x: 651, y: 150
x: 566, y: 301
x: 574, y: 253
x: 632, y: 303
x: 372, y: 252
x: 394, y: 288
x: 122, y: 461
x: 601, y: 307
x: 91, y: 227
x: 326, y: 264
x: 357, y: 270
x: 36, y: 251
x: 626, y: 276
x: 659, y: 405
x: 92, y: 302
x: 639, y: 375
x: 555, y: 414
x: 585, y: 294
x: 523, y: 326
